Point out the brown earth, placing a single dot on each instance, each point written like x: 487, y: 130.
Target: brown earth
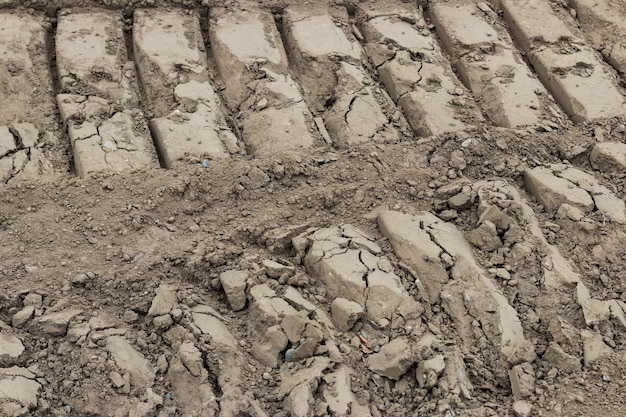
x: 118, y: 296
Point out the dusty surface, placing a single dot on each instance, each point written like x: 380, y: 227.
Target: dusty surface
x: 348, y: 224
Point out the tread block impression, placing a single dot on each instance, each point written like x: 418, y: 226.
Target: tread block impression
x: 253, y: 66
x: 417, y: 76
x: 99, y: 99
x: 170, y: 55
x: 578, y: 80
x: 489, y: 65
x: 558, y: 184
x: 605, y: 24
x: 27, y: 102
x: 329, y: 60
x: 470, y: 294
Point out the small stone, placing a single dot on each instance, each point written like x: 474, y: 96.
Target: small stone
x: 79, y: 280
x: 176, y: 314
x: 448, y: 215
x: 27, y: 134
x: 457, y: 160
x: 484, y: 7
x: 257, y: 178
x: 609, y: 156
x: 522, y: 379
x: 101, y: 322
x: 557, y: 357
x: 130, y: 360
x: 19, y: 387
x: 522, y: 408
x: 261, y: 291
x: 485, y: 237
x: 20, y: 318
x: 311, y: 338
x: 275, y: 270
x: 116, y: 379
x: 162, y: 364
x: 33, y: 299
x: 572, y: 213
x: 428, y: 371
x: 293, y: 325
x: 268, y: 352
x: 164, y: 301
x: 130, y: 316
x: 503, y: 273
x: 460, y: 201
x: 11, y: 347
x: 393, y: 360
x: 345, y: 313
x: 55, y: 324
x: 594, y: 347
x: 234, y: 285
x: 163, y: 322
x: 261, y: 104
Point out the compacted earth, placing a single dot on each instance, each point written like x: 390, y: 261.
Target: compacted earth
x: 289, y: 208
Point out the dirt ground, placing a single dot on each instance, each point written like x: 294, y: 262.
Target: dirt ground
x: 210, y: 288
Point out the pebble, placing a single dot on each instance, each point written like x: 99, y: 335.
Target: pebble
x: 457, y: 160
x: 522, y: 408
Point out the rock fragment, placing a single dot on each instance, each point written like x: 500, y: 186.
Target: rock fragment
x: 609, y: 157
x: 522, y: 379
x: 275, y: 269
x: 234, y: 285
x: 522, y: 408
x: 11, y: 347
x: 268, y: 351
x: 428, y: 371
x: 594, y: 347
x: 189, y: 380
x: 485, y: 237
x: 55, y: 324
x: 22, y: 317
x: 128, y: 359
x: 18, y: 385
x: 556, y: 356
x: 455, y: 374
x: 393, y: 359
x: 164, y: 301
x: 345, y: 313
x: 214, y: 327
x: 337, y: 393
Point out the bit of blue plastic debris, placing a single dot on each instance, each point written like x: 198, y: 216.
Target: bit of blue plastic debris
x: 167, y: 396
x: 205, y: 163
x: 289, y: 355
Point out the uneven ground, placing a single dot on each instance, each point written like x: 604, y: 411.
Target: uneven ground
x: 309, y: 209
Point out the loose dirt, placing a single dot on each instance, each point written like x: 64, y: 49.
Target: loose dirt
x: 479, y: 271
